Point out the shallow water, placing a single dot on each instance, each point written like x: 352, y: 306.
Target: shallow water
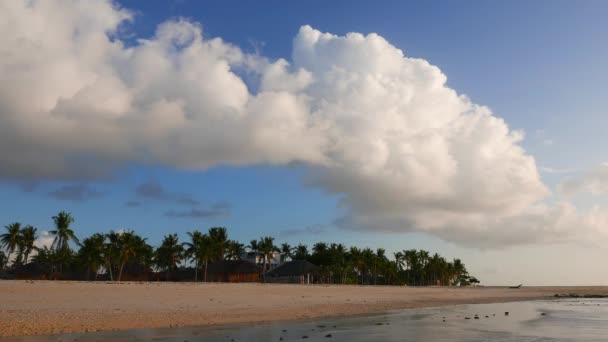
x: 563, y: 320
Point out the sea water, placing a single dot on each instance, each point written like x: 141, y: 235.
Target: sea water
x: 546, y: 320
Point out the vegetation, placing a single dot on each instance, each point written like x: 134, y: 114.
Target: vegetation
x: 124, y: 252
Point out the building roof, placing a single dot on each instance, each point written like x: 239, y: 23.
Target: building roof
x: 294, y: 268
x: 233, y: 266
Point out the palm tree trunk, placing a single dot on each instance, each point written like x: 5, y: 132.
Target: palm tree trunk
x: 122, y: 265
x: 265, y: 267
x: 110, y: 270
x: 206, y: 263
x: 196, y: 271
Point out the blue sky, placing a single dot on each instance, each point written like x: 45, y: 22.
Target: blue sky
x: 541, y: 66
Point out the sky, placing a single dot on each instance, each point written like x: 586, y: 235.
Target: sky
x: 472, y: 129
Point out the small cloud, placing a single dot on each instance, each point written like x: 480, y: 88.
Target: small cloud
x: 187, y: 200
x: 152, y: 189
x: 29, y: 186
x: 314, y: 229
x: 75, y: 193
x: 218, y: 210
x: 547, y: 142
x: 556, y: 170
x: 132, y: 204
x: 594, y: 182
x: 542, y: 137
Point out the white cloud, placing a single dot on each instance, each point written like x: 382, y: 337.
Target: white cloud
x: 45, y: 239
x: 547, y: 169
x: 405, y: 151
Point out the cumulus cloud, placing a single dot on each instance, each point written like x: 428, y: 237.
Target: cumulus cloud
x: 383, y: 130
x: 75, y: 193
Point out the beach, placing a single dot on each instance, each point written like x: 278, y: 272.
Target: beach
x: 54, y: 307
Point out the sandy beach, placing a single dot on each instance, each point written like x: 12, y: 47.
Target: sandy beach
x: 52, y: 307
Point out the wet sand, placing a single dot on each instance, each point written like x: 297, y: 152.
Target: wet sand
x: 53, y: 307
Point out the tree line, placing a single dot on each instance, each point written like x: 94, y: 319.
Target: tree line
x: 124, y: 251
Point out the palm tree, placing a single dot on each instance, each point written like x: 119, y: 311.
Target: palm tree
x: 111, y: 252
x: 235, y: 250
x: 129, y: 249
x: 206, y: 252
x: 11, y: 239
x: 169, y: 254
x: 91, y: 253
x: 219, y: 237
x: 301, y: 252
x: 2, y: 260
x: 266, y: 247
x: 285, y: 252
x: 192, y: 248
x: 28, y: 238
x: 63, y: 233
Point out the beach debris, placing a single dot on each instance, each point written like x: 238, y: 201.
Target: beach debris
x: 575, y: 295
x: 320, y: 326
x: 328, y: 335
x: 506, y: 313
x: 543, y: 313
x: 379, y: 323
x: 476, y: 317
x: 284, y: 330
x: 305, y: 336
x: 467, y: 318
x: 280, y: 338
x: 487, y: 316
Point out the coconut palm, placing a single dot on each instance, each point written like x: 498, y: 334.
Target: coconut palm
x: 192, y: 249
x: 219, y: 238
x: 206, y: 253
x: 91, y: 253
x: 111, y: 252
x: 11, y: 239
x: 285, y: 252
x: 301, y: 252
x: 266, y: 247
x: 130, y: 247
x: 235, y: 250
x: 2, y: 260
x: 63, y: 233
x: 28, y: 238
x: 169, y: 254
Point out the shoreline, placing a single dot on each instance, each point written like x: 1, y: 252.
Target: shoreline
x: 58, y: 307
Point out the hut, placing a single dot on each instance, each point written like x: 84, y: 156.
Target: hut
x: 294, y: 272
x: 233, y: 271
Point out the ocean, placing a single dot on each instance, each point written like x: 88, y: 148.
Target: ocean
x: 545, y: 320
